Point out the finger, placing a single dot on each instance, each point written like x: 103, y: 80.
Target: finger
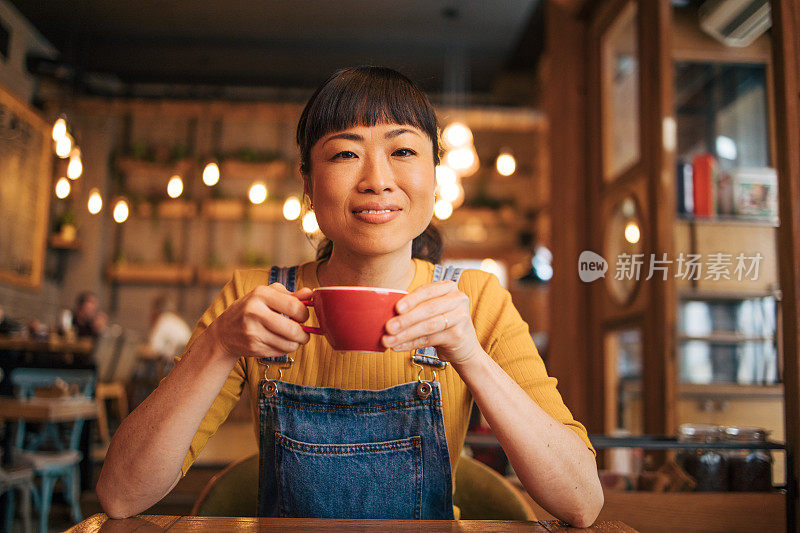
x: 280, y: 300
x: 425, y: 330
x: 276, y: 343
x: 424, y: 311
x: 430, y: 290
x: 435, y: 339
x: 283, y: 327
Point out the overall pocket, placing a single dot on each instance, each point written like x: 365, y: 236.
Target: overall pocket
x: 370, y: 480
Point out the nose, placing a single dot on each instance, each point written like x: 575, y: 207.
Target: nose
x: 376, y: 176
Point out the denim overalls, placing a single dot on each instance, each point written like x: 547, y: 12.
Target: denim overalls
x: 341, y: 453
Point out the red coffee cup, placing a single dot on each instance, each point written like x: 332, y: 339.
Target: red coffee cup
x: 353, y: 319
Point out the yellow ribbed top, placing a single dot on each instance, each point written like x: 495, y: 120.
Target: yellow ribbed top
x: 500, y: 329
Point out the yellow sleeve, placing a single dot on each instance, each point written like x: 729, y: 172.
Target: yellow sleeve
x: 506, y: 338
x: 232, y: 389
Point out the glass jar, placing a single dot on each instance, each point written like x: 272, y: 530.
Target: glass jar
x: 709, y: 468
x: 750, y: 470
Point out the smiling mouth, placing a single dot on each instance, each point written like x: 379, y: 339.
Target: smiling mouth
x: 375, y: 211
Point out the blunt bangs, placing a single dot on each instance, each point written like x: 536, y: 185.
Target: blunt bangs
x: 364, y: 96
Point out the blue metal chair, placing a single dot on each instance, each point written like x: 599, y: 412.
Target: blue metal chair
x: 52, y: 451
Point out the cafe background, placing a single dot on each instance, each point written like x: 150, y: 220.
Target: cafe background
x: 621, y: 127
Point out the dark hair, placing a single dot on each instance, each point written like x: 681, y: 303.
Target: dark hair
x: 367, y: 96
x: 84, y: 297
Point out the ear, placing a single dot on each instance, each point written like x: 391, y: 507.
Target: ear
x: 307, y: 189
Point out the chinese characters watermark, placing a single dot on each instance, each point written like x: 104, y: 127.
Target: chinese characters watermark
x: 714, y: 266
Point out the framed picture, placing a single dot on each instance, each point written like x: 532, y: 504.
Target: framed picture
x: 25, y: 168
x: 620, y: 86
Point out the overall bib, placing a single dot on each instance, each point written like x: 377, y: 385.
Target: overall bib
x: 342, y: 453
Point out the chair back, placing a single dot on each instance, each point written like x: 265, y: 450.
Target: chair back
x: 232, y: 492
x: 128, y: 357
x: 105, y: 352
x: 483, y: 494
x: 27, y: 380
x: 61, y: 436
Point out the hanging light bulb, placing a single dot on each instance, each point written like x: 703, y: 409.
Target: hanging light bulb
x: 464, y: 160
x: 456, y: 134
x: 211, y: 174
x: 449, y: 192
x: 59, y: 129
x: 444, y: 175
x: 75, y: 166
x: 442, y: 210
x: 258, y: 193
x: 175, y: 186
x: 310, y: 224
x: 292, y: 208
x: 95, y: 203
x: 121, y: 211
x: 64, y: 146
x: 632, y: 233
x: 505, y: 164
x: 62, y: 188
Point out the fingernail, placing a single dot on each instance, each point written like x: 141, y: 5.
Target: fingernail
x: 391, y: 326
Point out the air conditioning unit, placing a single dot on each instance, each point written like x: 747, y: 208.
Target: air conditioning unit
x: 735, y: 22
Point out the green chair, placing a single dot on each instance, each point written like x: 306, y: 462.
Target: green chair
x: 481, y: 493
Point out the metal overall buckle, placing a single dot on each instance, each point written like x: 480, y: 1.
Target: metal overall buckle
x: 269, y: 387
x: 424, y: 388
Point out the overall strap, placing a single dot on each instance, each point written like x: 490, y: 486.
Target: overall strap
x: 427, y: 356
x: 286, y: 276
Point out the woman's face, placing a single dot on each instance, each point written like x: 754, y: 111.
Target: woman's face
x: 372, y: 187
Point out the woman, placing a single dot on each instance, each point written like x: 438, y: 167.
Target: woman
x: 347, y: 434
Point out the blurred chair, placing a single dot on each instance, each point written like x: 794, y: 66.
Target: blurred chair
x: 13, y: 479
x: 116, y: 386
x: 105, y: 360
x: 481, y: 493
x: 62, y: 462
x: 231, y: 492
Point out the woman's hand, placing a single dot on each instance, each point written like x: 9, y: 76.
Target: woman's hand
x: 436, y: 314
x: 264, y: 323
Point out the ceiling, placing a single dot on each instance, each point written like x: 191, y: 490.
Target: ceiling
x: 442, y: 44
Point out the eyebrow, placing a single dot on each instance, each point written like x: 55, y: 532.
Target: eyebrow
x: 355, y: 137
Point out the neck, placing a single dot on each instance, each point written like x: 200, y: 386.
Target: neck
x: 391, y: 271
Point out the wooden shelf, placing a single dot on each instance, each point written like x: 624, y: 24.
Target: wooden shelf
x: 57, y: 242
x: 708, y: 294
x: 152, y: 273
x: 138, y: 168
x: 222, y: 209
x: 729, y: 220
x: 266, y: 212
x: 725, y: 338
x: 215, y: 276
x: 168, y: 209
x: 267, y: 171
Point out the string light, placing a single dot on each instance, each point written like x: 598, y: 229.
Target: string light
x: 456, y: 134
x: 175, y: 186
x: 59, y: 129
x: 445, y: 175
x: 75, y: 166
x: 258, y: 193
x: 442, y: 210
x: 121, y: 211
x: 310, y: 224
x: 292, y: 208
x: 506, y: 164
x: 62, y: 188
x: 211, y: 174
x: 64, y: 146
x: 95, y: 203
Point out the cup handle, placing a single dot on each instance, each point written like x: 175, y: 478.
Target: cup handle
x: 310, y: 329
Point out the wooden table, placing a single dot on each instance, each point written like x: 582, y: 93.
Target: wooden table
x: 148, y: 523
x: 48, y: 409
x: 16, y: 344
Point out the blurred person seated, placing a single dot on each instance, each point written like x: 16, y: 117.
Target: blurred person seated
x: 87, y: 318
x: 169, y: 333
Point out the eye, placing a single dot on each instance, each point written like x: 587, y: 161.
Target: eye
x: 404, y: 152
x: 345, y: 154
